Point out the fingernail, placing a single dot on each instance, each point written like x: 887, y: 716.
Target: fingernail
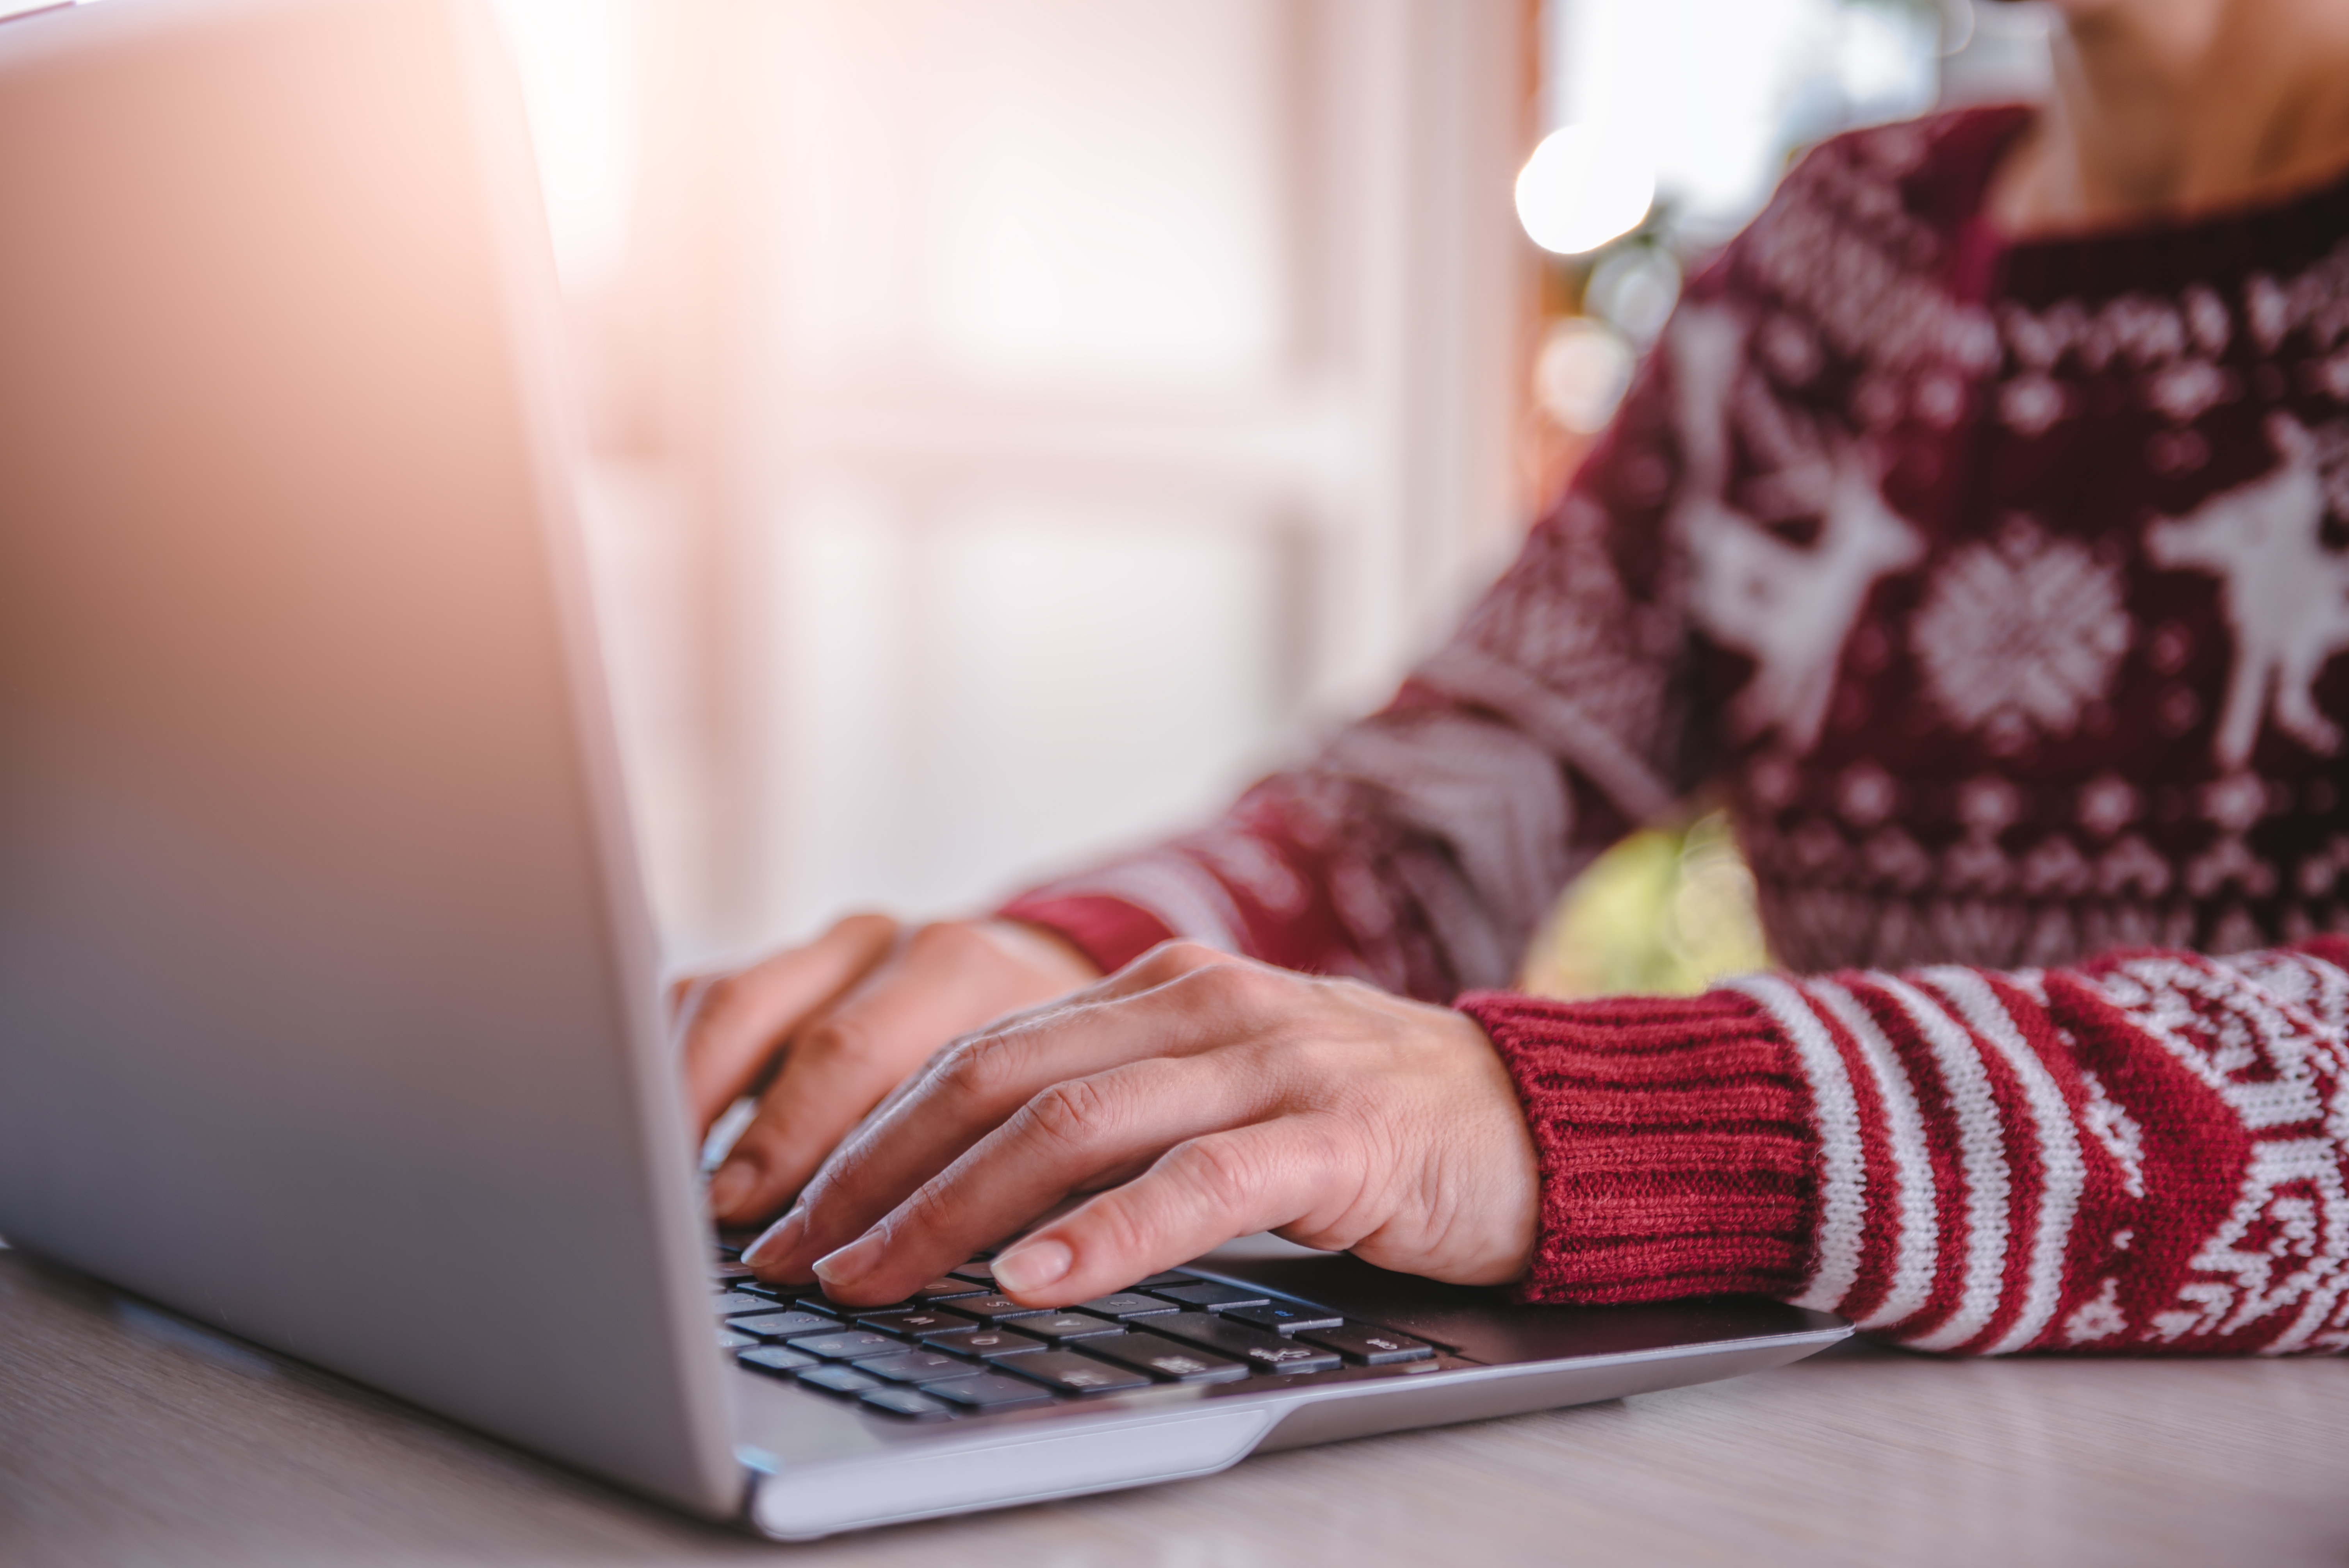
x: 1032, y: 1265
x: 851, y: 1262
x: 778, y: 1239
x: 730, y: 1186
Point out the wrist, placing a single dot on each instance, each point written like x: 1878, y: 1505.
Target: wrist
x: 1109, y: 932
x: 1040, y: 947
x: 1513, y: 1163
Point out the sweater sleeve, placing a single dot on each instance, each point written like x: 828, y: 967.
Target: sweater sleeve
x: 2145, y: 1152
x: 1421, y: 847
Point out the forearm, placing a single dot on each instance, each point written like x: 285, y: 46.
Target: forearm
x: 2146, y: 1152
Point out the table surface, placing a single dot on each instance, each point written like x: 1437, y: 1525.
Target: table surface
x: 127, y: 1437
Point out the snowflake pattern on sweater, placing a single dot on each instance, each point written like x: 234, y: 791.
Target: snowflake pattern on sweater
x: 2003, y: 589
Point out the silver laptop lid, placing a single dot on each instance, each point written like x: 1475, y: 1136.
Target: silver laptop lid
x: 326, y: 998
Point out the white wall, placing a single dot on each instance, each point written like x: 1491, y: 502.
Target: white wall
x: 1019, y: 420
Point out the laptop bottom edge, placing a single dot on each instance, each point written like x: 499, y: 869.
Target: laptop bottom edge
x: 1072, y: 1459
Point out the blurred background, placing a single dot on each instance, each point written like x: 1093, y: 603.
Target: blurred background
x: 1016, y: 424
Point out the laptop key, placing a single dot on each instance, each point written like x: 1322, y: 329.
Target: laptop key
x: 838, y: 1380
x: 1211, y: 1294
x: 1164, y: 1358
x: 775, y: 1359
x: 727, y: 1272
x: 812, y: 1299
x: 1158, y: 1281
x: 1370, y: 1346
x: 977, y: 1269
x: 913, y: 1402
x: 853, y: 1345
x: 915, y: 1366
x: 1282, y: 1317
x: 1062, y: 1326
x: 993, y: 1308
x: 735, y: 1303
x: 988, y: 1391
x: 988, y: 1343
x: 1071, y: 1373
x: 948, y: 1288
x: 920, y: 1321
x: 1259, y: 1348
x: 781, y: 1295
x: 783, y: 1324
x: 1125, y: 1304
x: 730, y: 1340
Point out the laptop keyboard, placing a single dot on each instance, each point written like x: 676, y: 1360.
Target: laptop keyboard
x: 958, y: 1348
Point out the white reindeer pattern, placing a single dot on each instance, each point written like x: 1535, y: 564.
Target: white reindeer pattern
x: 1790, y: 607
x: 2286, y: 595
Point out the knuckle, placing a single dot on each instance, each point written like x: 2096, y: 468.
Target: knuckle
x: 1332, y: 1140
x: 1215, y: 1170
x: 1122, y: 1226
x: 931, y: 1207
x: 1176, y: 957
x: 1231, y: 986
x: 765, y: 1145
x: 972, y: 1068
x: 864, y: 926
x: 948, y: 943
x: 832, y: 1038
x: 1156, y: 966
x: 1316, y: 1059
x: 1074, y: 1114
x: 725, y: 1002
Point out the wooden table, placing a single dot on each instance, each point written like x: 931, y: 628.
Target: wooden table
x: 129, y: 1439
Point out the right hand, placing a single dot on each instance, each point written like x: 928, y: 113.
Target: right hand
x: 839, y: 1023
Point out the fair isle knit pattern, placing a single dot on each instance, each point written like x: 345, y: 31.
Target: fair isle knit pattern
x: 2002, y: 590
x: 2146, y: 1152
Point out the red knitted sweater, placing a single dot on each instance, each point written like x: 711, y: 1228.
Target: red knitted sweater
x: 2002, y: 589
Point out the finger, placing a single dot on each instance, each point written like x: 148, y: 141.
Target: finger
x: 942, y: 981
x: 735, y: 1022
x: 1053, y: 960
x: 1166, y: 962
x: 981, y: 1080
x: 1303, y: 1169
x: 1076, y: 1136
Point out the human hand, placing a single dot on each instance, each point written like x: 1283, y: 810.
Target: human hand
x: 1199, y: 1097
x: 840, y: 1021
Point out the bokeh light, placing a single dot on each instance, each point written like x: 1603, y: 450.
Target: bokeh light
x: 1582, y: 188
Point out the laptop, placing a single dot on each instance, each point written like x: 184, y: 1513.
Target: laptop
x: 328, y: 1004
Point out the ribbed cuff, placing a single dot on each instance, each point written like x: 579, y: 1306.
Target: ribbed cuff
x: 1109, y: 931
x: 1678, y: 1153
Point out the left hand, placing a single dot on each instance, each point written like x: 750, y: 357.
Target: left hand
x: 1195, y: 1097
